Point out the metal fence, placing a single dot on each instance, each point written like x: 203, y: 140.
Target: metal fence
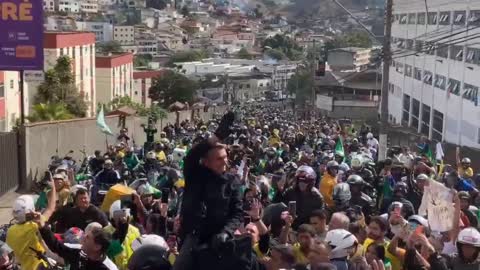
x: 9, y: 177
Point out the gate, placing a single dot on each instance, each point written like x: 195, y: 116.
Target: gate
x: 9, y: 159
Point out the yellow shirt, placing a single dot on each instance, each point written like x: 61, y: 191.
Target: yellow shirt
x: 327, y: 185
x: 161, y: 156
x: 396, y: 263
x: 300, y: 258
x: 22, y: 237
x: 121, y: 260
x: 468, y: 173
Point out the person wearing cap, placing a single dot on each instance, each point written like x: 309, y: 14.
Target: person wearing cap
x: 120, y: 229
x: 415, y: 190
x: 468, y: 217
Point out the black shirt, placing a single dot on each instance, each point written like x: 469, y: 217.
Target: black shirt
x: 67, y: 217
x: 76, y: 258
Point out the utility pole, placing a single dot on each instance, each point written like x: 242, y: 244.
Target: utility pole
x: 387, y: 60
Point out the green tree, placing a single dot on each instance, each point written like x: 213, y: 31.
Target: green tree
x: 275, y: 54
x: 354, y: 39
x: 109, y: 47
x: 49, y: 112
x: 244, y: 54
x: 284, y: 44
x: 142, y: 60
x: 59, y: 87
x: 187, y: 56
x: 156, y: 111
x: 172, y: 87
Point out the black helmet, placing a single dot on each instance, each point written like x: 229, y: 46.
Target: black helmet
x: 149, y: 257
x: 332, y: 165
x: 400, y: 187
x: 464, y: 195
x: 355, y: 179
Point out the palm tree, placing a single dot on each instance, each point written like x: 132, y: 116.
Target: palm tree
x: 49, y: 112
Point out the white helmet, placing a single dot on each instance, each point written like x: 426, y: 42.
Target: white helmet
x: 356, y: 162
x: 149, y: 239
x: 419, y: 219
x: 116, y: 207
x: 22, y: 206
x: 340, y: 241
x: 151, y: 155
x: 469, y: 236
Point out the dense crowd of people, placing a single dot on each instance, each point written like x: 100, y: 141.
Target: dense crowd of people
x: 257, y: 188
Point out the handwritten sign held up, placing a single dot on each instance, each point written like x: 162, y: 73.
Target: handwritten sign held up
x: 437, y: 206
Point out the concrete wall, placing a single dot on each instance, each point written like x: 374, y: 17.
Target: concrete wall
x: 43, y: 140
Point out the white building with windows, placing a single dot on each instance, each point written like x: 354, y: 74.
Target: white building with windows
x: 125, y: 35
x: 69, y: 6
x: 103, y: 30
x: 434, y: 77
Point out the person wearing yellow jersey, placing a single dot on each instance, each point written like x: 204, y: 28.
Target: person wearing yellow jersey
x: 301, y: 249
x: 463, y: 166
x: 328, y: 182
x: 376, y: 234
x: 122, y: 231
x: 258, y: 231
x: 24, y: 235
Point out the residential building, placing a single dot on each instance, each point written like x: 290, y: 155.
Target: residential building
x: 350, y: 58
x: 70, y: 6
x: 114, y: 76
x: 349, y: 94
x: 103, y: 30
x: 125, y: 35
x: 9, y: 100
x: 247, y: 86
x: 89, y: 6
x: 80, y: 48
x: 59, y: 23
x: 142, y: 81
x: 434, y: 82
x: 49, y: 5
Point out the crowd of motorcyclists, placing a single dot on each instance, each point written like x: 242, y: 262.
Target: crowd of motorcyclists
x: 256, y: 189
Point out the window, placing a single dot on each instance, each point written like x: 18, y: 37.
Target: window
x: 429, y: 48
x: 470, y: 92
x: 453, y: 87
x: 421, y: 18
x: 399, y: 67
x: 442, y: 50
x: 419, y: 46
x: 459, y: 18
x: 412, y: 18
x: 415, y: 113
x: 406, y: 109
x: 61, y: 51
x: 408, y: 70
x: 427, y: 77
x: 444, y: 18
x: 440, y: 81
x: 409, y: 44
x: 403, y: 19
x: 425, y: 129
x: 474, y: 18
x: 2, y: 90
x: 456, y: 53
x: 437, y: 126
x: 417, y: 74
x: 432, y: 18
x: 472, y: 56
